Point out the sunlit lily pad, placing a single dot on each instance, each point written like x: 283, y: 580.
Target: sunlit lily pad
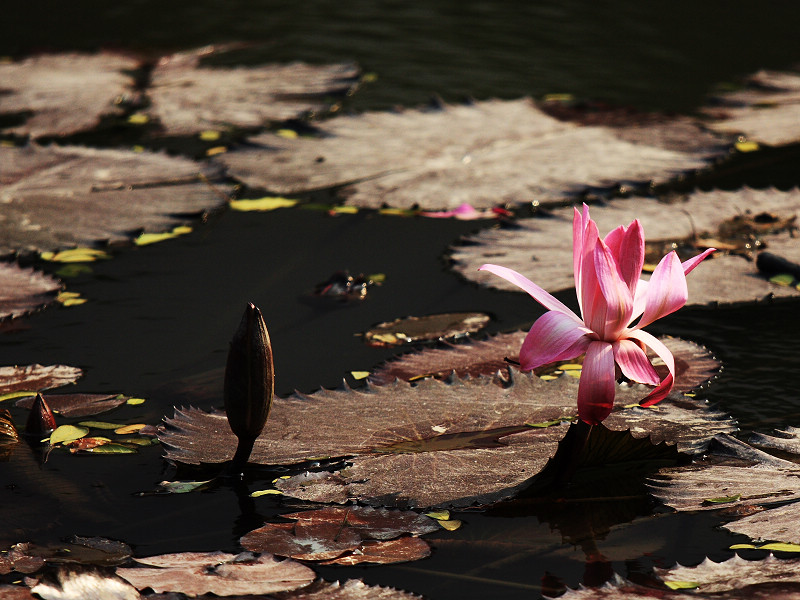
x: 24, y: 290
x: 430, y: 444
x: 74, y: 581
x: 35, y: 378
x: 196, y: 573
x: 429, y: 327
x: 766, y: 111
x: 57, y: 197
x: 189, y: 98
x: 65, y: 93
x: 541, y: 249
x: 484, y: 154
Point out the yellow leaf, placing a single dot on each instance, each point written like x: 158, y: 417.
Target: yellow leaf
x: 70, y: 299
x: 571, y: 367
x: 17, y: 394
x: 385, y: 338
x: 130, y: 428
x: 742, y: 547
x: 359, y: 374
x: 265, y: 493
x: 209, y: 136
x: 450, y: 525
x: 548, y: 377
x: 262, y: 204
x: 151, y: 238
x: 682, y: 585
x: 369, y: 77
x: 216, y: 150
x: 138, y: 119
x: 782, y: 279
x: 289, y: 134
x: 745, y: 146
x: 135, y: 401
x: 67, y: 433
x: 559, y: 97
x: 575, y: 374
x: 345, y: 210
x: 781, y: 547
x: 439, y: 515
x: 6, y: 144
x: 75, y: 255
x: 138, y: 148
x: 400, y: 212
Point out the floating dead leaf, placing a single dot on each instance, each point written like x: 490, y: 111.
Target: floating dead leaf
x: 767, y: 110
x: 484, y: 154
x: 694, y: 364
x: 78, y: 405
x: 35, y: 378
x: 541, y: 249
x: 18, y: 559
x: 73, y: 582
x: 73, y: 196
x: 188, y: 98
x: 345, y: 287
x: 65, y: 93
x: 429, y: 327
x: 24, y: 290
x: 404, y: 549
x: 8, y: 432
x: 351, y: 589
x: 430, y: 444
x: 197, y: 573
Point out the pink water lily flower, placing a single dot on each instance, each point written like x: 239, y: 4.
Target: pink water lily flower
x: 615, y: 304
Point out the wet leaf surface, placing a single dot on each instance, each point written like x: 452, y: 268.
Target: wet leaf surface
x: 767, y: 110
x: 195, y: 573
x: 351, y: 589
x: 541, y: 248
x: 694, y: 364
x: 429, y: 327
x: 484, y: 154
x: 24, y: 290
x: 74, y: 583
x: 57, y: 197
x: 189, y: 98
x: 34, y: 378
x: 78, y: 405
x: 66, y: 93
x: 430, y: 444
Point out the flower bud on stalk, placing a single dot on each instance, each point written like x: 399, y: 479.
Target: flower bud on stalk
x: 41, y: 420
x: 249, y: 383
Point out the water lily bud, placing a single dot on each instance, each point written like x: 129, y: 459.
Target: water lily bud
x: 249, y: 382
x: 41, y: 420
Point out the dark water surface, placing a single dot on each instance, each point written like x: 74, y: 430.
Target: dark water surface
x: 159, y: 318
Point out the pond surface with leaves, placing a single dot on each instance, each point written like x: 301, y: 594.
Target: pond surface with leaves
x: 313, y: 121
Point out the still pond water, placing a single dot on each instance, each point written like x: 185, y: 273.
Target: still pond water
x: 159, y: 318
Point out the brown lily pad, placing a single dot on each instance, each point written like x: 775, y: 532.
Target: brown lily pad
x: 694, y: 364
x: 58, y: 197
x: 429, y: 327
x: 767, y: 110
x: 542, y: 249
x: 351, y: 589
x: 187, y: 97
x: 405, y: 549
x: 483, y: 154
x: 35, y: 378
x: 66, y: 93
x: 78, y: 405
x: 430, y: 444
x: 24, y: 290
x: 197, y: 573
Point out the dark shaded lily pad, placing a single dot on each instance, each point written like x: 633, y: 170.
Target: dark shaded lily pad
x: 24, y: 290
x: 483, y: 154
x: 694, y: 364
x: 189, y: 98
x: 35, y: 378
x: 78, y: 405
x: 541, y: 249
x: 429, y: 327
x: 430, y: 444
x: 58, y: 197
x: 65, y: 93
x: 766, y: 111
x: 196, y: 573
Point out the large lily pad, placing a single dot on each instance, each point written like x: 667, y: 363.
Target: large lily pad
x: 541, y: 248
x: 65, y: 93
x: 484, y: 154
x: 767, y: 110
x: 57, y: 197
x: 187, y: 97
x: 35, y: 378
x: 434, y: 443
x: 24, y: 290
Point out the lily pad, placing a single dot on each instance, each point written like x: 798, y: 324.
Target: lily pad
x: 197, y: 573
x: 484, y: 154
x: 24, y: 290
x: 56, y: 197
x: 78, y: 405
x: 430, y: 444
x: 694, y: 364
x: 34, y: 378
x: 351, y: 589
x: 541, y: 248
x: 766, y: 111
x: 66, y: 93
x: 429, y: 327
x: 73, y: 581
x: 189, y: 98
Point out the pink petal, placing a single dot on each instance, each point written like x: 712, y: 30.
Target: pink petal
x: 633, y: 363
x: 598, y: 384
x: 577, y: 249
x: 631, y: 255
x: 540, y: 295
x: 690, y: 264
x: 664, y: 388
x: 554, y: 336
x: 617, y: 295
x: 614, y: 240
x: 592, y: 302
x: 666, y: 291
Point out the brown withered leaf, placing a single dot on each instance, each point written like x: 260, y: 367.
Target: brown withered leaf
x: 694, y: 364
x: 430, y: 444
x: 18, y: 559
x: 404, y: 549
x: 484, y: 154
x: 35, y: 378
x: 541, y: 249
x: 351, y: 589
x: 15, y: 592
x: 56, y: 197
x: 66, y: 93
x: 78, y: 405
x: 197, y: 573
x: 187, y: 97
x: 786, y: 440
x: 75, y: 582
x: 766, y: 111
x: 429, y: 327
x: 24, y: 290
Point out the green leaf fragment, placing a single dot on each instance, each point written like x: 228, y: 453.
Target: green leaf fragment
x: 183, y: 487
x: 723, y: 499
x: 135, y: 401
x: 17, y: 394
x: 783, y: 279
x: 262, y: 204
x: 112, y: 449
x: 258, y: 493
x: 67, y: 433
x: 682, y: 585
x: 152, y: 238
x: 780, y: 547
x: 99, y: 424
